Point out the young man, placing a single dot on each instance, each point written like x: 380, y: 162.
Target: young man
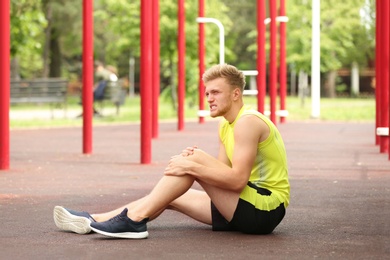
x: 246, y: 187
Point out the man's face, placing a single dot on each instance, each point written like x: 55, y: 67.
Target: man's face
x: 219, y: 97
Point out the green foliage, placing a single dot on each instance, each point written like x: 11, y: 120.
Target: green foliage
x: 117, y: 31
x: 299, y: 34
x: 339, y: 109
x: 122, y: 18
x: 344, y: 34
x: 27, y: 22
x: 116, y: 45
x: 67, y: 18
x: 241, y: 40
x: 26, y: 25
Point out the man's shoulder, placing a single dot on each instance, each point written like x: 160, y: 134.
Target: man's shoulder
x: 253, y: 119
x: 250, y: 111
x: 255, y: 113
x: 249, y: 114
x: 248, y: 121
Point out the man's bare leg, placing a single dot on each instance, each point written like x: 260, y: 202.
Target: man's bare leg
x: 100, y: 217
x: 191, y: 202
x: 167, y: 189
x: 196, y: 204
x: 225, y: 200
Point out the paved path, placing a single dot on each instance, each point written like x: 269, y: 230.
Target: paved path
x: 340, y: 195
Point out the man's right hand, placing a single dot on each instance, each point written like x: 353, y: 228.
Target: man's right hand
x: 188, y: 151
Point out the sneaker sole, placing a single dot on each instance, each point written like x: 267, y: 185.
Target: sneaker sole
x: 131, y: 235
x: 68, y: 222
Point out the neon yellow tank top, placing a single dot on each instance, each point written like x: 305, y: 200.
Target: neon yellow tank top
x: 269, y: 170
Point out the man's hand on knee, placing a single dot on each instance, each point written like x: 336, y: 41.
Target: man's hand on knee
x: 178, y: 166
x: 188, y: 151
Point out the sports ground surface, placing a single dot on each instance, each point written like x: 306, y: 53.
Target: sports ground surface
x: 339, y: 208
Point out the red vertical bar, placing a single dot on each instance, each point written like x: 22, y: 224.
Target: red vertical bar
x: 261, y: 56
x: 202, y: 52
x: 378, y: 57
x: 388, y: 101
x: 4, y: 83
x: 156, y: 66
x: 384, y: 121
x: 282, y: 57
x: 87, y: 75
x: 181, y: 63
x: 273, y: 65
x: 146, y: 81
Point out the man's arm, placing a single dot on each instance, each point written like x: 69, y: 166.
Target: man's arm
x: 222, y: 156
x: 219, y: 172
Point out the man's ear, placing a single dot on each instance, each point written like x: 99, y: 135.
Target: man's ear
x: 236, y: 93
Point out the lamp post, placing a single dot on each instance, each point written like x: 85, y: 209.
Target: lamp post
x: 221, y: 35
x: 222, y: 32
x: 315, y: 60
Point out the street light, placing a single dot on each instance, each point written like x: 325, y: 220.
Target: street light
x: 282, y: 19
x: 221, y: 35
x: 315, y: 61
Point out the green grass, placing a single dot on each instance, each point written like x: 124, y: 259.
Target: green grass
x: 338, y: 109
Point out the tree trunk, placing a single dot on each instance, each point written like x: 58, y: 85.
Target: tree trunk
x: 172, y: 84
x: 355, y: 79
x: 15, y: 69
x: 46, y: 47
x: 302, y: 86
x: 330, y: 84
x: 293, y: 84
x: 55, y: 55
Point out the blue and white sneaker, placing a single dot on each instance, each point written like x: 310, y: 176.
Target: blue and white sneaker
x: 121, y: 226
x: 70, y: 220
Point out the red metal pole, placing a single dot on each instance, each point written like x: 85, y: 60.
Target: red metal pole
x: 181, y: 64
x: 273, y: 65
x: 282, y: 54
x: 261, y: 56
x: 384, y: 122
x: 4, y: 83
x: 156, y: 65
x: 378, y: 58
x: 87, y: 75
x: 388, y: 104
x: 202, y: 52
x: 146, y: 81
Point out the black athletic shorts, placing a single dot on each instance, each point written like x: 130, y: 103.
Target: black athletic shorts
x: 247, y: 218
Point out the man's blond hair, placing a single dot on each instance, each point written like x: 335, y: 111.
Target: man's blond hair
x: 234, y: 77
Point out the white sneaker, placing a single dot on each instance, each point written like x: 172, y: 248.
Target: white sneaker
x: 70, y: 220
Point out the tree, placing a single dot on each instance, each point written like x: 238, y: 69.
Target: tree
x: 27, y: 21
x: 57, y: 49
x: 39, y: 33
x: 242, y: 37
x: 64, y: 37
x: 121, y: 40
x: 344, y: 37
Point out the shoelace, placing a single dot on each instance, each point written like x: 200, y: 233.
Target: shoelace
x: 117, y: 218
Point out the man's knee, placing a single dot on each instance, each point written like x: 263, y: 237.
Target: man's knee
x: 197, y: 156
